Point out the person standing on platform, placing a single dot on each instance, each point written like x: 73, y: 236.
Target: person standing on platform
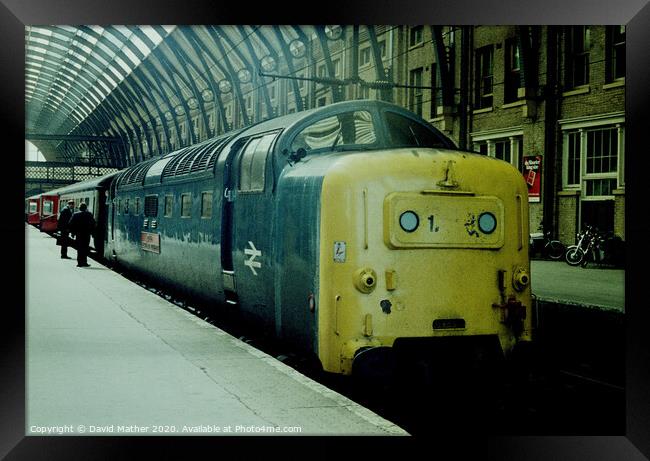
x: 82, y: 225
x: 62, y: 226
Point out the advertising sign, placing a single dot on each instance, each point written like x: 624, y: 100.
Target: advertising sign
x: 533, y: 177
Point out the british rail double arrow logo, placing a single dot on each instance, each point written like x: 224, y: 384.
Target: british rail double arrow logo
x: 253, y: 253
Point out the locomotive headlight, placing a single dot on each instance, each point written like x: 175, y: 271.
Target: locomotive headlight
x: 520, y: 279
x: 409, y: 221
x: 365, y: 280
x: 487, y: 222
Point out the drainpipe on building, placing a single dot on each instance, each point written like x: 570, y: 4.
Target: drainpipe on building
x: 464, y: 74
x: 551, y: 97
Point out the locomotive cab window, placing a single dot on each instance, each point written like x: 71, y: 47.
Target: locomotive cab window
x: 252, y: 163
x: 347, y: 130
x: 405, y: 132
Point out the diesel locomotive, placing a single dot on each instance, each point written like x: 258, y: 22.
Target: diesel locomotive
x: 347, y: 230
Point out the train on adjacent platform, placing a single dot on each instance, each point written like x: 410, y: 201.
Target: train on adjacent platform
x: 41, y: 210
x: 350, y: 231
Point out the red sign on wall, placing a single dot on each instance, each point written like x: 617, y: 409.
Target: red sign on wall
x: 533, y: 177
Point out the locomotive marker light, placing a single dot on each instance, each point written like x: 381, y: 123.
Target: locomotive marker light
x: 409, y: 221
x: 487, y: 222
x: 253, y: 253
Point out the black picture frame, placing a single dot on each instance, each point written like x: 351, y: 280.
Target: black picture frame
x: 15, y: 14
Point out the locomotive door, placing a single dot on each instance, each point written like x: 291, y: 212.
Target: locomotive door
x: 247, y: 227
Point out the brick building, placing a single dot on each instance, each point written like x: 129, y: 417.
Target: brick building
x: 548, y: 99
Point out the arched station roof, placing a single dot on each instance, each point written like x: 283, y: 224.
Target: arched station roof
x: 127, y: 90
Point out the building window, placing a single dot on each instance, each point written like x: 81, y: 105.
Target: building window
x: 321, y: 101
x: 301, y: 83
x: 512, y: 77
x: 196, y: 125
x: 592, y: 159
x: 364, y: 56
x: 382, y: 48
x: 364, y: 92
x: 336, y: 64
x: 137, y: 206
x: 577, y: 56
x: 502, y: 150
x: 415, y: 94
x: 601, y: 162
x: 186, y: 205
x: 508, y: 148
x: 169, y: 203
x: 416, y: 35
x: 206, y: 205
x: 183, y: 130
x: 615, y: 53
x: 484, y: 77
x: 573, y: 158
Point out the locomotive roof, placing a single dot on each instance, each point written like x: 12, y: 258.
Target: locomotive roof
x: 200, y: 157
x: 286, y: 121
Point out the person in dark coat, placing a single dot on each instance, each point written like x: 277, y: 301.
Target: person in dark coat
x: 62, y: 226
x: 82, y: 225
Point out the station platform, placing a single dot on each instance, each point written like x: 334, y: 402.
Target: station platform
x: 105, y: 356
x: 586, y: 287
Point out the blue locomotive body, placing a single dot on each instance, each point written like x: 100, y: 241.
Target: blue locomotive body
x: 269, y: 219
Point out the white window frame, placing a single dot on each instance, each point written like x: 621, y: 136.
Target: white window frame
x: 583, y: 125
x: 363, y: 51
x: 515, y: 135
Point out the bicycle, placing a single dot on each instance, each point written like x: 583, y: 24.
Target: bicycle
x: 546, y: 246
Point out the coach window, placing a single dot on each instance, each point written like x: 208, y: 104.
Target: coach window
x: 47, y: 207
x: 169, y: 203
x: 252, y: 164
x: 186, y: 205
x: 206, y: 205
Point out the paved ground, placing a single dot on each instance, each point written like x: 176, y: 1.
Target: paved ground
x: 104, y: 356
x: 556, y: 280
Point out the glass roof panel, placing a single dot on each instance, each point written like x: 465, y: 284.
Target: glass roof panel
x: 64, y: 61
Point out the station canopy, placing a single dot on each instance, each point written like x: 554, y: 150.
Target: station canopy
x: 122, y: 94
